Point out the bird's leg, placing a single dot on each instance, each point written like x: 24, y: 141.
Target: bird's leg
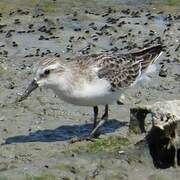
x: 103, y: 120
x: 105, y: 115
x: 95, y: 108
x: 89, y: 138
x: 96, y: 126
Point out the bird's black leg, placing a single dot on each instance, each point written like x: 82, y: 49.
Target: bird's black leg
x: 95, y: 108
x: 103, y: 120
x: 105, y: 115
x: 96, y: 126
x: 76, y: 139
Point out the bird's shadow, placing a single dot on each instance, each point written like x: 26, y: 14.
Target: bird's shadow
x: 65, y: 132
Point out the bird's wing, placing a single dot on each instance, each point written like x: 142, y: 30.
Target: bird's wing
x: 122, y: 70
x: 148, y: 56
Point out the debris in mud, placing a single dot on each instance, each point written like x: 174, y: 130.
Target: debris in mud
x: 163, y: 71
x: 162, y: 137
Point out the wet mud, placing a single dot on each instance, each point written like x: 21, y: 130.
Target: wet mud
x: 35, y: 133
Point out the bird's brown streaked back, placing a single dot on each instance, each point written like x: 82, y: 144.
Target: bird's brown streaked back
x: 121, y: 69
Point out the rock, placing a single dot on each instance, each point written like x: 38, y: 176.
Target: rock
x: 162, y: 134
x: 17, y: 21
x: 163, y: 71
x: 14, y: 44
x: 77, y: 29
x: 43, y: 38
x: 8, y: 35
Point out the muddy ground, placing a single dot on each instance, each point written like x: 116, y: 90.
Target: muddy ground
x: 35, y: 133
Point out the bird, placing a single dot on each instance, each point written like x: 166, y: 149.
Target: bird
x: 93, y: 80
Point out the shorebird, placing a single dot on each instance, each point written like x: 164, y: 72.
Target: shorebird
x: 92, y: 80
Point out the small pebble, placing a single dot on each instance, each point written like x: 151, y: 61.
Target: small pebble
x: 17, y: 21
x: 163, y: 71
x: 9, y: 34
x: 77, y: 29
x: 43, y: 38
x: 14, y: 44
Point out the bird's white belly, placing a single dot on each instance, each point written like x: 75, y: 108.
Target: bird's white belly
x: 91, y: 100
x: 96, y: 93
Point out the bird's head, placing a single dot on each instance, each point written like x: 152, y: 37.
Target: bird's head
x: 48, y: 73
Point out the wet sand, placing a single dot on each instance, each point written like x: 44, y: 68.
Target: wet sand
x: 35, y: 133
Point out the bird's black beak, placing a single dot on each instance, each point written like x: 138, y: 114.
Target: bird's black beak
x: 32, y: 86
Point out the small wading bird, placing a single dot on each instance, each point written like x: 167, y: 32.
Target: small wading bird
x: 93, y: 80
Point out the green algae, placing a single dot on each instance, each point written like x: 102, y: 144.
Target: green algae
x: 67, y: 168
x: 173, y: 2
x: 63, y: 167
x: 49, y: 7
x: 41, y: 177
x: 111, y: 144
x: 46, y: 5
x: 3, y: 178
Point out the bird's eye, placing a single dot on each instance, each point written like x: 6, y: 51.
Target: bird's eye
x: 47, y: 71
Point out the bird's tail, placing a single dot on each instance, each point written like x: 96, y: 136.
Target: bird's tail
x: 148, y: 56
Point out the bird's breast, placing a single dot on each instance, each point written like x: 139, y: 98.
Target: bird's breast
x: 96, y: 92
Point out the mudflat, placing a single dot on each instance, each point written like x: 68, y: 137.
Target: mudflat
x: 35, y: 133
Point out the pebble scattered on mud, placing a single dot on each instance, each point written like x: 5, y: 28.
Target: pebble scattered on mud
x: 36, y: 132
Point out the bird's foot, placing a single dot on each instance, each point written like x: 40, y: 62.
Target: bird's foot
x: 80, y: 139
x: 93, y: 135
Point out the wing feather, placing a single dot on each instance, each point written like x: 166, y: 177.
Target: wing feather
x: 121, y: 70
